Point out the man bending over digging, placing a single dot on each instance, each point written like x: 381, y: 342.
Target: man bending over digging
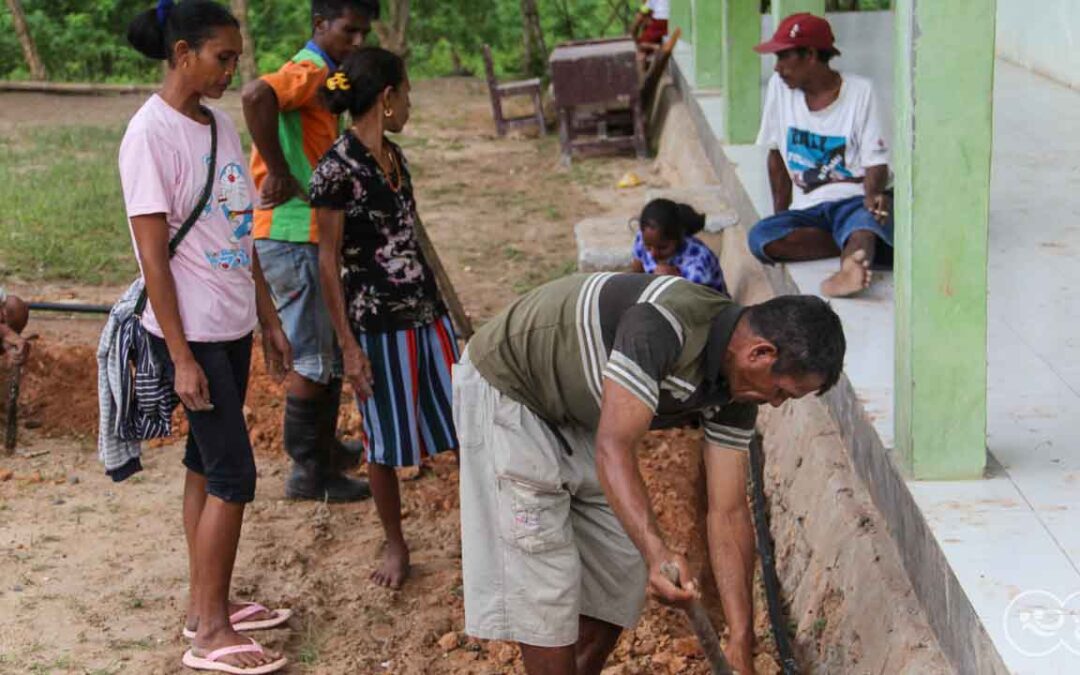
x: 559, y: 537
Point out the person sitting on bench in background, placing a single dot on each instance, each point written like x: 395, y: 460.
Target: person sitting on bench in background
x: 14, y: 314
x: 828, y: 160
x: 665, y: 244
x: 650, y: 27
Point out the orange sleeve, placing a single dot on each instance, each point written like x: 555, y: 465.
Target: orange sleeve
x: 296, y: 84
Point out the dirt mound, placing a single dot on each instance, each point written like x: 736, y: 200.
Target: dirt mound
x: 58, y: 393
x: 322, y: 563
x: 58, y: 397
x: 420, y: 630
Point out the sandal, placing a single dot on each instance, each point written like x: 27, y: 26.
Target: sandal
x: 211, y: 661
x: 239, y: 625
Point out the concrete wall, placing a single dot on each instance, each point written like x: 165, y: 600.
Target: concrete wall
x: 865, y: 40
x: 1043, y: 36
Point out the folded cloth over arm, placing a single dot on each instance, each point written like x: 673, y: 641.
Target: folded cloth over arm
x: 135, y: 397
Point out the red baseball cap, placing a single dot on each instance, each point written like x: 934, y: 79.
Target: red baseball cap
x: 800, y: 30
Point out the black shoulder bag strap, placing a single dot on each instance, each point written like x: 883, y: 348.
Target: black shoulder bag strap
x: 174, y: 243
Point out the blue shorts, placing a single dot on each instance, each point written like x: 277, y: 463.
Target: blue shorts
x: 292, y: 272
x: 840, y: 219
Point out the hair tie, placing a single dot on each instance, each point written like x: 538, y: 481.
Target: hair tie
x: 163, y: 9
x: 338, y: 81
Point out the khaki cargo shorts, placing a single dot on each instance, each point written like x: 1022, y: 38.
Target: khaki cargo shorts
x: 540, y: 544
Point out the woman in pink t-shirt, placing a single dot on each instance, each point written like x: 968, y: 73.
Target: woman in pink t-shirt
x: 204, y: 301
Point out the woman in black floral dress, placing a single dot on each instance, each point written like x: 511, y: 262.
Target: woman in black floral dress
x: 396, y: 339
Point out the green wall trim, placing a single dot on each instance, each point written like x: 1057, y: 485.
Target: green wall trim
x: 742, y: 70
x: 682, y: 15
x: 944, y: 126
x: 785, y: 8
x: 708, y: 43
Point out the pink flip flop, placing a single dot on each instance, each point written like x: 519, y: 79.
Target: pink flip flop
x: 237, y: 619
x: 212, y: 661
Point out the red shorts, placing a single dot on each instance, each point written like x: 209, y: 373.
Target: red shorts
x: 654, y: 32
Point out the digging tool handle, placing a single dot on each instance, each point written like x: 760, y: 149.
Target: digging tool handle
x: 462, y: 323
x: 703, y: 628
x: 12, y: 428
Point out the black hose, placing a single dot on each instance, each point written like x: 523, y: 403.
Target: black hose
x: 74, y: 308
x: 768, y: 560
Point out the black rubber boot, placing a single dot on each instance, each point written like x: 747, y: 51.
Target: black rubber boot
x: 308, y: 438
x: 339, y: 487
x: 344, y: 455
x: 303, y: 438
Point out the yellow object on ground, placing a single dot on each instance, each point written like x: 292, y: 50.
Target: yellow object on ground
x: 629, y: 180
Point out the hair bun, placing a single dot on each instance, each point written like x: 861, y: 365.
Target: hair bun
x: 147, y: 34
x: 693, y: 222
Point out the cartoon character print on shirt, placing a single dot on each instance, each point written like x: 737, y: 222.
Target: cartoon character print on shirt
x: 234, y: 198
x: 816, y: 160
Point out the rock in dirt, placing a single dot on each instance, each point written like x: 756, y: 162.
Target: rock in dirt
x: 449, y: 642
x: 502, y: 653
x: 687, y: 647
x: 73, y: 479
x: 644, y: 647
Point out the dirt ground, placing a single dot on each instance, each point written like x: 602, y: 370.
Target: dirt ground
x: 93, y: 574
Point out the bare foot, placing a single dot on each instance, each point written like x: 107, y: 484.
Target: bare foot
x: 203, y: 645
x: 854, y: 277
x: 394, y: 567
x: 192, y: 622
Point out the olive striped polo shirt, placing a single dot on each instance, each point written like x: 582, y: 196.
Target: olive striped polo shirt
x: 663, y: 338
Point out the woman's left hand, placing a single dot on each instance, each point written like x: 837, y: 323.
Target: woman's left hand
x: 277, y: 351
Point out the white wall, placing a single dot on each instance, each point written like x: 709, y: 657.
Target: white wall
x: 1041, y: 35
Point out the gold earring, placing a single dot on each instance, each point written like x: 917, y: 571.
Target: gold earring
x: 387, y: 112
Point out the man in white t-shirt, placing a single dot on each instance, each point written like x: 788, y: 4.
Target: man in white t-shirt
x: 828, y: 160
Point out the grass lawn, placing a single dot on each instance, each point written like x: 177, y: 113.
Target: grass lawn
x: 62, y: 214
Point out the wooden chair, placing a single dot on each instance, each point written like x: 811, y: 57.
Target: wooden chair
x: 498, y: 92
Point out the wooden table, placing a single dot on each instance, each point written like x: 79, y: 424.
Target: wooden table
x: 602, y: 75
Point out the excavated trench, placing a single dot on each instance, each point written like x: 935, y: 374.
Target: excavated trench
x: 849, y: 604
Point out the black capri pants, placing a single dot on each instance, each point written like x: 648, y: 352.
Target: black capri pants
x: 218, y: 445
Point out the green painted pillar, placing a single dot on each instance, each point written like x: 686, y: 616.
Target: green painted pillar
x: 785, y: 8
x: 944, y: 77
x: 742, y: 70
x: 682, y: 16
x: 708, y: 43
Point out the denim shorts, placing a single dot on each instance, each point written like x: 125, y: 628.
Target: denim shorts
x: 218, y: 446
x: 840, y: 218
x: 292, y: 272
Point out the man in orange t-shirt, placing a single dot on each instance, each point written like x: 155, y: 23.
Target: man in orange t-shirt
x: 291, y: 130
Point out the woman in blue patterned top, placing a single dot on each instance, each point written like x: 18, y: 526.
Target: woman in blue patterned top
x: 665, y: 244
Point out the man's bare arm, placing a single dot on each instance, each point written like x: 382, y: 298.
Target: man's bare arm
x: 874, y: 185
x: 624, y: 420
x: 261, y: 115
x: 779, y: 182
x: 731, y: 547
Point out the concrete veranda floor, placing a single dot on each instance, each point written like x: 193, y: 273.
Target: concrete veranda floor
x: 1012, y: 539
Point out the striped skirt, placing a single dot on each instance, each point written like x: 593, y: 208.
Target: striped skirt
x: 410, y: 415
